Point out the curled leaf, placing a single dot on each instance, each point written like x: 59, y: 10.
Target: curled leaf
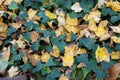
x: 115, y: 39
x: 13, y: 71
x: 115, y: 29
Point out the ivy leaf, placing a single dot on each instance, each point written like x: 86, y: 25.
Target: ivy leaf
x: 54, y: 74
x: 29, y: 25
x: 10, y: 31
x: 87, y: 42
x: 35, y: 46
x: 27, y: 66
x: 38, y: 67
x: 13, y: 5
x: 22, y: 15
x: 26, y: 36
x: 3, y: 64
x: 86, y: 8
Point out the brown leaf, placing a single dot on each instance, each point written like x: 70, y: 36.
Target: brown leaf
x: 113, y: 72
x: 34, y: 36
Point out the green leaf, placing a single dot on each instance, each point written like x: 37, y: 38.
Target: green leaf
x: 10, y: 31
x: 87, y: 42
x: 38, y: 67
x: 59, y: 43
x: 13, y: 49
x: 115, y: 19
x: 3, y: 64
x: 54, y: 74
x: 85, y: 72
x: 26, y: 36
x: 35, y: 46
x: 13, y: 5
x: 29, y: 25
x: 117, y: 47
x: 47, y: 33
x: 22, y: 15
x: 73, y: 36
x: 50, y: 62
x: 88, y: 7
x: 27, y: 66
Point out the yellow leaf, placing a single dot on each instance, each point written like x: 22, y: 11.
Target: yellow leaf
x: 93, y: 16
x: 101, y: 54
x: 68, y: 38
x: 55, y: 52
x: 92, y: 26
x: 1, y: 1
x: 61, y: 21
x: 50, y: 15
x: 70, y: 51
x: 76, y: 7
x: 70, y: 29
x: 13, y: 71
x: 68, y: 60
x: 115, y: 39
x: 34, y: 36
x: 7, y: 2
x: 71, y: 21
x: 42, y: 27
x: 31, y: 13
x: 115, y: 55
x: 100, y: 31
x: 114, y: 5
x: 45, y: 57
x: 62, y: 77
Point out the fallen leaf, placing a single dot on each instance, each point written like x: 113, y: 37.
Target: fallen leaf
x: 50, y: 15
x: 93, y: 16
x: 76, y: 7
x: 80, y: 51
x: 55, y: 52
x: 68, y: 60
x: 92, y: 26
x: 1, y: 13
x: 13, y: 71
x: 6, y: 53
x: 17, y: 25
x: 101, y: 54
x: 105, y: 37
x: 45, y: 57
x: 31, y: 13
x: 115, y: 55
x: 34, y: 58
x: 101, y: 3
x: 113, y: 72
x: 1, y: 1
x: 115, y: 39
x: 8, y: 2
x: 100, y: 31
x: 115, y: 29
x: 80, y: 65
x: 62, y: 77
x: 71, y: 21
x: 34, y: 36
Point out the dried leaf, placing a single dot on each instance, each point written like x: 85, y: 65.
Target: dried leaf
x: 115, y: 39
x: 13, y: 71
x: 55, y: 52
x: 115, y: 29
x: 80, y: 65
x: 34, y: 58
x: 101, y: 2
x: 6, y: 53
x: 34, y: 36
x: 113, y: 72
x: 105, y: 37
x: 76, y: 7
